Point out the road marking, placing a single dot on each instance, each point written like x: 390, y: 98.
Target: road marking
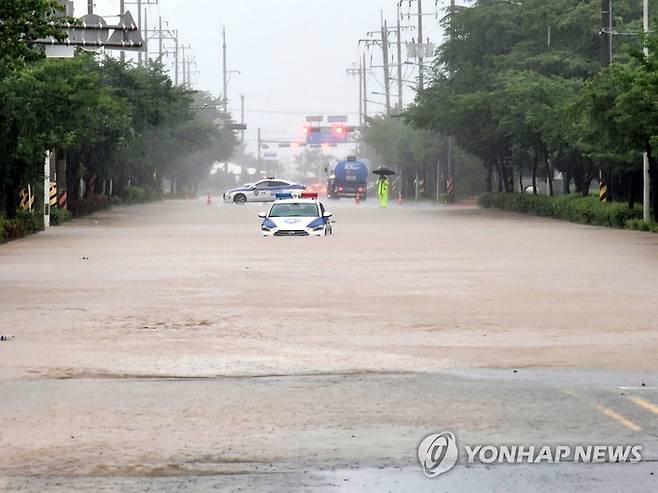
x: 619, y: 418
x: 638, y: 388
x: 645, y: 404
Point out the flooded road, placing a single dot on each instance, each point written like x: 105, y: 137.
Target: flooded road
x: 168, y: 346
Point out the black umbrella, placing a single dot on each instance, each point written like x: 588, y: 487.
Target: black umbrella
x: 384, y: 171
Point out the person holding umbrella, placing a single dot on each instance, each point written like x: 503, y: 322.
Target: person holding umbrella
x: 382, y: 184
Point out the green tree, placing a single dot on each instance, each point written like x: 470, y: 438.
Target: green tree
x: 22, y: 22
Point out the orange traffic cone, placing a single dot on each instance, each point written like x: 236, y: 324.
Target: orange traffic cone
x: 400, y: 199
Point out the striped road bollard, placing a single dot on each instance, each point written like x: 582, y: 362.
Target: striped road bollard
x: 603, y: 192
x: 53, y: 194
x: 450, y: 187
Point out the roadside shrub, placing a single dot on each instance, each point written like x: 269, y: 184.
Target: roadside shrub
x: 574, y: 208
x: 641, y: 225
x: 152, y: 194
x: 3, y: 221
x: 115, y: 201
x: 25, y: 224
x: 140, y: 195
x: 29, y: 222
x: 59, y: 216
x: 93, y: 203
x: 135, y: 195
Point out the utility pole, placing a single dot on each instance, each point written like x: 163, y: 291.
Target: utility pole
x: 186, y: 64
x: 606, y: 51
x: 451, y: 165
x: 365, y: 91
x: 438, y: 180
x: 139, y: 23
x: 400, y: 87
x: 46, y: 191
x: 242, y: 134
x: 122, y: 9
x: 383, y: 42
x: 146, y: 38
x: 224, y: 72
x: 387, y: 75
x: 176, y: 58
x: 161, y: 42
x: 361, y: 76
x: 184, y: 67
x: 259, y: 148
x: 421, y: 68
x: 190, y: 72
x: 90, y: 7
x: 646, y: 166
x: 360, y: 73
x: 606, y: 33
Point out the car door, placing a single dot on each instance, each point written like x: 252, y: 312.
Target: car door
x: 261, y: 192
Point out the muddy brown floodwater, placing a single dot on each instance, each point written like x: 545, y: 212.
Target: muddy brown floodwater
x: 168, y: 346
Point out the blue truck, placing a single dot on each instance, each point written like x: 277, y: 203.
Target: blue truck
x: 349, y: 179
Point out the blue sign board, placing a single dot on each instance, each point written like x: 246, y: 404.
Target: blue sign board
x: 327, y: 135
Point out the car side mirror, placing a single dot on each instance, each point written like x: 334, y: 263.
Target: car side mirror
x: 262, y: 215
x: 328, y: 214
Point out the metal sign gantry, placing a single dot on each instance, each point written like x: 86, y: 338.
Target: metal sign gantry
x: 91, y: 32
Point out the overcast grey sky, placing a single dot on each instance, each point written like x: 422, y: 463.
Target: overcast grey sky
x: 292, y: 54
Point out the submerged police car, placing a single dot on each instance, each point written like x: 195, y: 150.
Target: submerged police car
x: 262, y: 191
x: 296, y: 216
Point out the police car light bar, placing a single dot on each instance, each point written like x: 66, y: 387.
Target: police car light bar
x: 309, y: 195
x: 283, y: 196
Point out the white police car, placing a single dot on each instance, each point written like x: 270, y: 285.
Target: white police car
x: 262, y: 191
x: 302, y: 216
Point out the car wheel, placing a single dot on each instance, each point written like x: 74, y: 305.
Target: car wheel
x: 240, y: 199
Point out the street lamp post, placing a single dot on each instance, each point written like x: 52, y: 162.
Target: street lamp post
x: 646, y: 206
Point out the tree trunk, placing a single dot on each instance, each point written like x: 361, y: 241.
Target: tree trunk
x: 521, y: 179
x: 653, y: 175
x: 549, y: 174
x: 566, y: 183
x: 10, y: 199
x: 500, y: 177
x: 489, y: 176
x: 631, y: 191
x: 503, y: 176
x: 535, y: 161
x: 587, y: 185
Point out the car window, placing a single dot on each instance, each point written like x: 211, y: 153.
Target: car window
x: 263, y: 185
x: 294, y: 210
x: 277, y: 184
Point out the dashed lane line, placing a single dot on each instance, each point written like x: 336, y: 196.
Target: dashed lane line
x: 619, y: 418
x: 607, y: 412
x: 643, y: 403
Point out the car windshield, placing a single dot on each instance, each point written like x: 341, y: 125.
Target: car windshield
x: 294, y: 210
